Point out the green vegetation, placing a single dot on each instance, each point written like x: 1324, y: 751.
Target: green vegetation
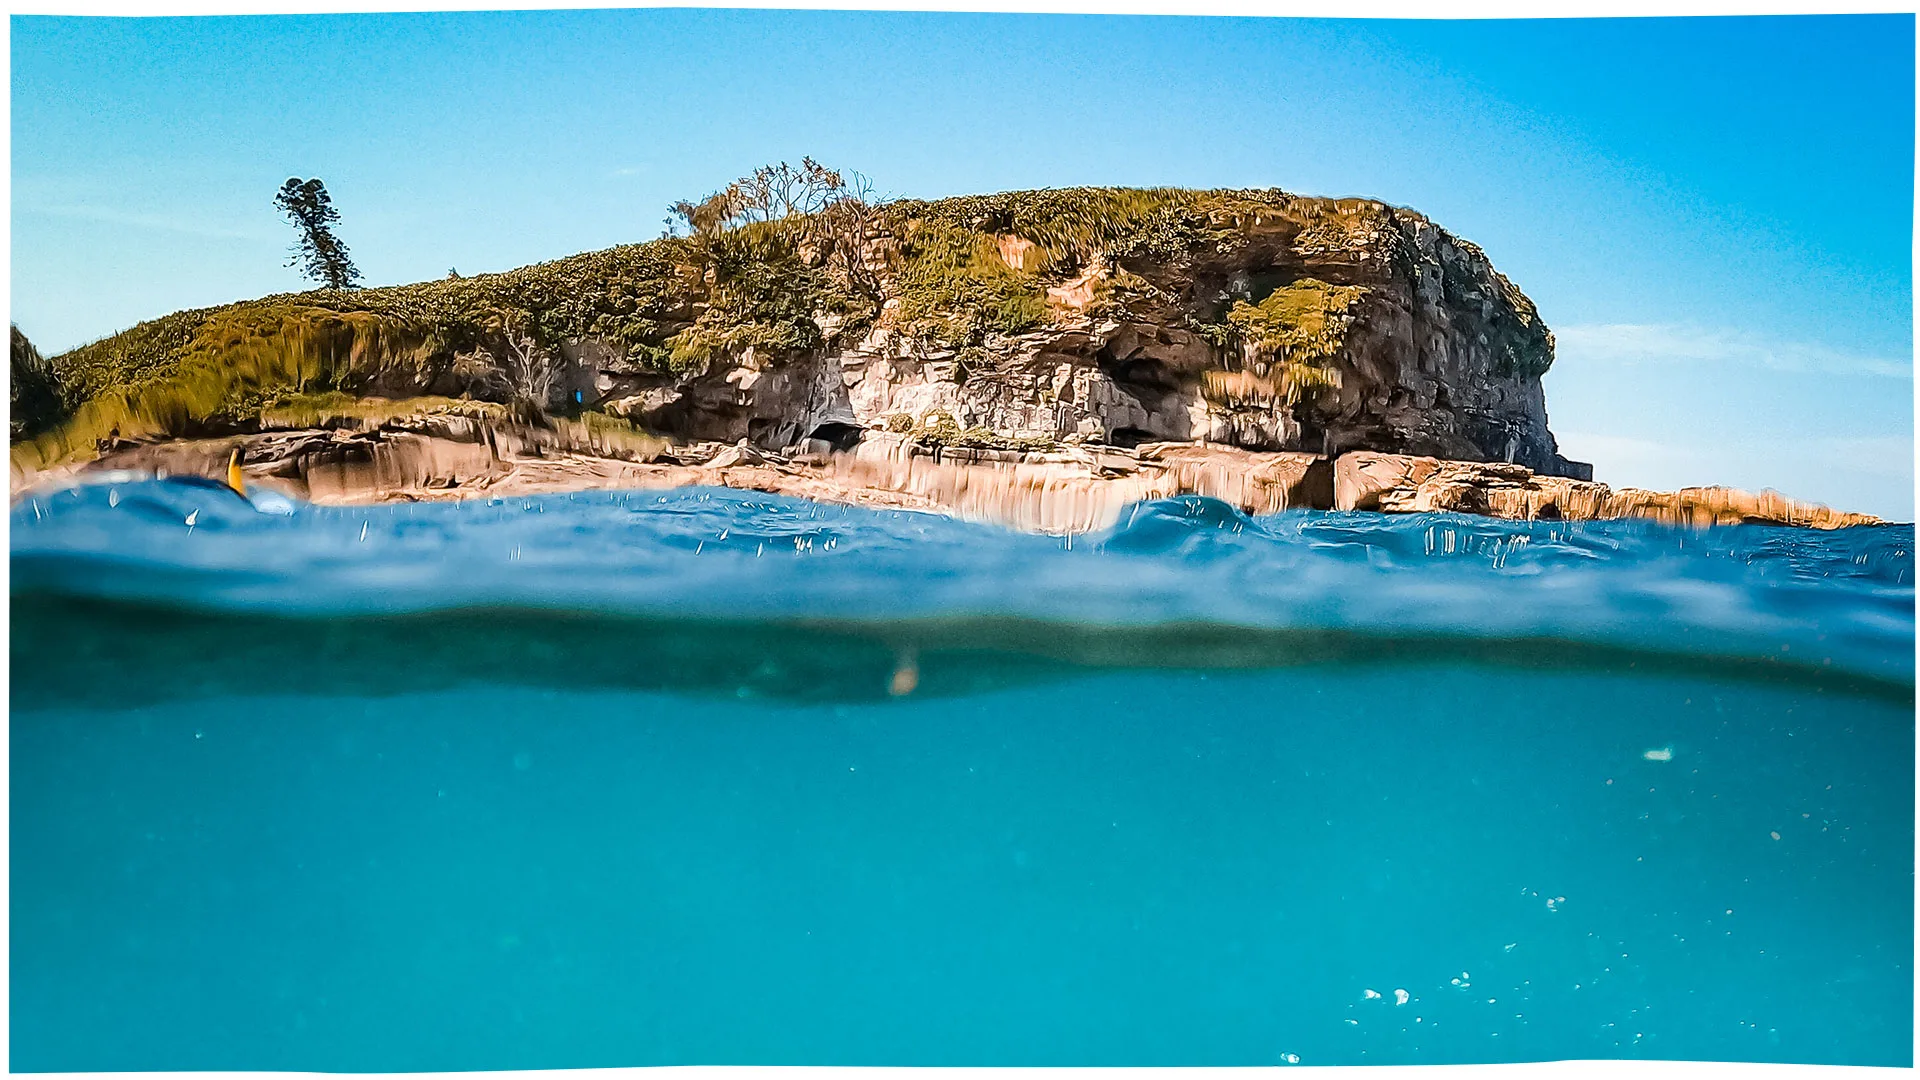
x: 301, y: 411
x: 674, y: 303
x: 1070, y: 226
x: 955, y: 288
x: 759, y: 294
x: 1287, y: 339
x: 1302, y: 321
x: 318, y: 253
x: 937, y: 427
x: 333, y: 408
x: 956, y: 283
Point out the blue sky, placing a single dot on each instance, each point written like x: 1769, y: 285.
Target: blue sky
x: 1714, y: 214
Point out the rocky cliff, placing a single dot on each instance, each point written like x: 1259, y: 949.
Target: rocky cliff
x: 1273, y: 323
x: 1029, y: 321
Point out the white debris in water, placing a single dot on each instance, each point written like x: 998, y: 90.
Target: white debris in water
x: 1663, y: 753
x: 113, y: 496
x: 1369, y: 994
x: 1291, y: 1059
x: 1511, y: 947
x: 1400, y: 997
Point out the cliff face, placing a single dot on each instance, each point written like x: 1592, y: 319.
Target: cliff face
x: 1028, y: 320
x: 1302, y: 324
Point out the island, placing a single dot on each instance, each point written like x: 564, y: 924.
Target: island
x: 1041, y: 359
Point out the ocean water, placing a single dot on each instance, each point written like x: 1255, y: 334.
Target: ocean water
x: 707, y: 776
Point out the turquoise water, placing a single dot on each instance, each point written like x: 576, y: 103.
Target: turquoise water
x: 713, y: 777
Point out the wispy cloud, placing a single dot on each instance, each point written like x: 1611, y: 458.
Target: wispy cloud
x: 135, y: 219
x: 1667, y: 343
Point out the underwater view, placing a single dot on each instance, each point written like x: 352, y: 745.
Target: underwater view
x: 704, y: 776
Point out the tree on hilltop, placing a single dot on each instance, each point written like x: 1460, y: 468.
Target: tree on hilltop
x: 837, y: 210
x: 318, y: 253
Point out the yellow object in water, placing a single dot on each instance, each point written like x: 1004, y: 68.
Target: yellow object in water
x: 234, y: 481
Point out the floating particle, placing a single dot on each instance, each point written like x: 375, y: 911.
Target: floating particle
x: 1400, y: 997
x: 906, y: 675
x: 1291, y: 1059
x: 1369, y: 995
x: 1775, y: 835
x: 1663, y: 753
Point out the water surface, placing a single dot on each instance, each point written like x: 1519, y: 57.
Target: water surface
x: 714, y: 777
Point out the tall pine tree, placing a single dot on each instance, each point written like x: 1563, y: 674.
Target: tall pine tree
x: 319, y: 253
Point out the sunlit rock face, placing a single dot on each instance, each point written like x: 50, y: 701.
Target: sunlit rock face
x: 1066, y: 490
x: 1383, y: 332
x: 1394, y: 483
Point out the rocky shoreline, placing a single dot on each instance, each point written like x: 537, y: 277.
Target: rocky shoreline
x: 1069, y: 489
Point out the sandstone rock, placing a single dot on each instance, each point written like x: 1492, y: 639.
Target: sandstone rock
x: 1729, y: 506
x: 1394, y: 483
x: 1072, y: 490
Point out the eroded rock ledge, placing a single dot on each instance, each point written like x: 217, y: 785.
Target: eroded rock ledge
x: 1066, y: 490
